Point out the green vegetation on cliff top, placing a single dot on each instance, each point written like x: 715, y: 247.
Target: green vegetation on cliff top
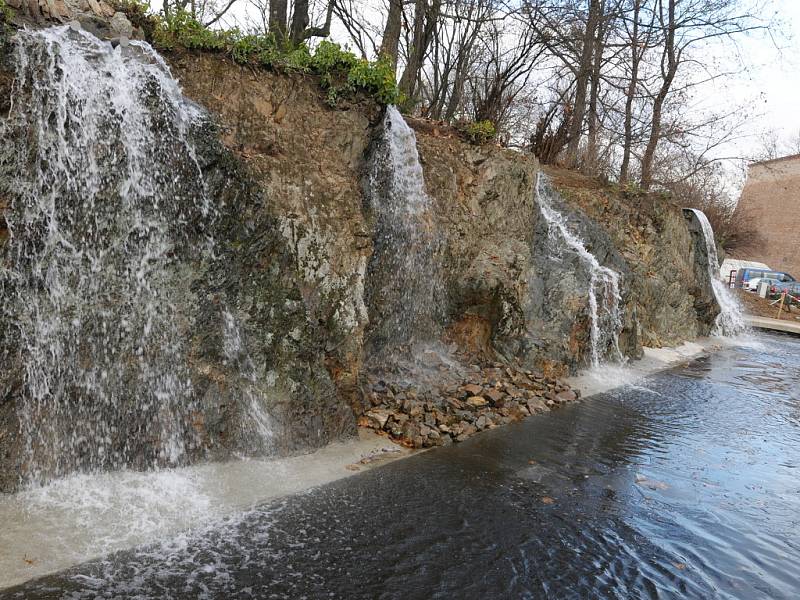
x: 341, y: 73
x: 478, y: 132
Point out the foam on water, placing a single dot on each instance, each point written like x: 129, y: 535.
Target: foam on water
x: 85, y: 516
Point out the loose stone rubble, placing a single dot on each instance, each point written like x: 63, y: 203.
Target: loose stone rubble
x: 422, y: 407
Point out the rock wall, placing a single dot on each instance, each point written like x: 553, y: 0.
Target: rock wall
x: 669, y: 286
x: 295, y: 238
x: 503, y: 295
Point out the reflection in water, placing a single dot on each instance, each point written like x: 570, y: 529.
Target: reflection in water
x: 693, y: 491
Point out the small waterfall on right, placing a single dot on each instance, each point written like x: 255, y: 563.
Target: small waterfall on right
x: 605, y: 312
x: 730, y: 320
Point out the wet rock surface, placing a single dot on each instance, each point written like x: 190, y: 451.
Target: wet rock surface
x: 671, y: 298
x: 294, y: 243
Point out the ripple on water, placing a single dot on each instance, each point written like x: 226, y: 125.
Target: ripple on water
x: 553, y: 507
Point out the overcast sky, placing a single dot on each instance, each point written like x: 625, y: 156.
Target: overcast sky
x: 766, y: 86
x: 771, y: 80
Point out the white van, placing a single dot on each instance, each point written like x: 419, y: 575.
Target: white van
x: 729, y: 267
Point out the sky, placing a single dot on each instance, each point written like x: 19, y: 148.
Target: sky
x: 770, y: 84
x: 765, y: 89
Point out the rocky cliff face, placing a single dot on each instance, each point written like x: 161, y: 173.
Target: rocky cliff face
x: 289, y: 283
x: 669, y: 286
x: 503, y: 292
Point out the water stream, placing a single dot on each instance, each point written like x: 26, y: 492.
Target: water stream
x: 684, y: 486
x: 259, y: 428
x: 605, y: 313
x: 730, y: 320
x: 406, y: 284
x: 109, y: 205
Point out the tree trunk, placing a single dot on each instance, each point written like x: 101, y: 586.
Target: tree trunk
x: 301, y: 31
x: 391, y: 33
x: 300, y: 21
x: 462, y: 71
x: 425, y: 20
x: 669, y: 67
x: 590, y: 166
x: 457, y: 93
x: 582, y: 81
x: 630, y: 95
x: 278, y: 10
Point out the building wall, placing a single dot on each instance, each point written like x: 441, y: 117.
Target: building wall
x: 771, y: 198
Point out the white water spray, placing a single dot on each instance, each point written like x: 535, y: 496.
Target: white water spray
x: 604, y: 287
x: 258, y: 421
x: 730, y: 320
x: 108, y: 198
x: 408, y: 284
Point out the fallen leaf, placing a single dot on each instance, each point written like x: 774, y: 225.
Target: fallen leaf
x: 547, y: 500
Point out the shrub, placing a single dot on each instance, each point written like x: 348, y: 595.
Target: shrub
x: 478, y: 132
x: 6, y: 13
x: 629, y: 189
x: 181, y: 29
x: 340, y: 72
x: 376, y: 78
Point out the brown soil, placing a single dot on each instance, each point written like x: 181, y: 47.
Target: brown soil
x: 763, y: 307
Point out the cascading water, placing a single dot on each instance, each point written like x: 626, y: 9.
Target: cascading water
x: 730, y: 320
x: 107, y: 198
x: 408, y: 285
x: 604, y: 286
x: 261, y: 428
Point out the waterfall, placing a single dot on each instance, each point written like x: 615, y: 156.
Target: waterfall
x: 730, y: 320
x: 108, y: 198
x: 605, y: 313
x: 260, y: 430
x: 408, y: 291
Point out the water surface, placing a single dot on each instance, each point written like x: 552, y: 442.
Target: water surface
x: 686, y: 487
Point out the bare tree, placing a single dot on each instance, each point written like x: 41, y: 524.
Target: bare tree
x: 301, y: 29
x: 390, y: 42
x: 502, y: 72
x: 426, y: 17
x: 583, y: 71
x: 773, y: 144
x: 682, y: 25
x: 363, y: 33
x: 278, y: 14
x: 453, y: 51
x: 637, y: 36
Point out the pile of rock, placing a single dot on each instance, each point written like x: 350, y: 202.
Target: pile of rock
x: 486, y: 398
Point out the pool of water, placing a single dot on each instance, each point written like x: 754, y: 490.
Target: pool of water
x: 686, y: 485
